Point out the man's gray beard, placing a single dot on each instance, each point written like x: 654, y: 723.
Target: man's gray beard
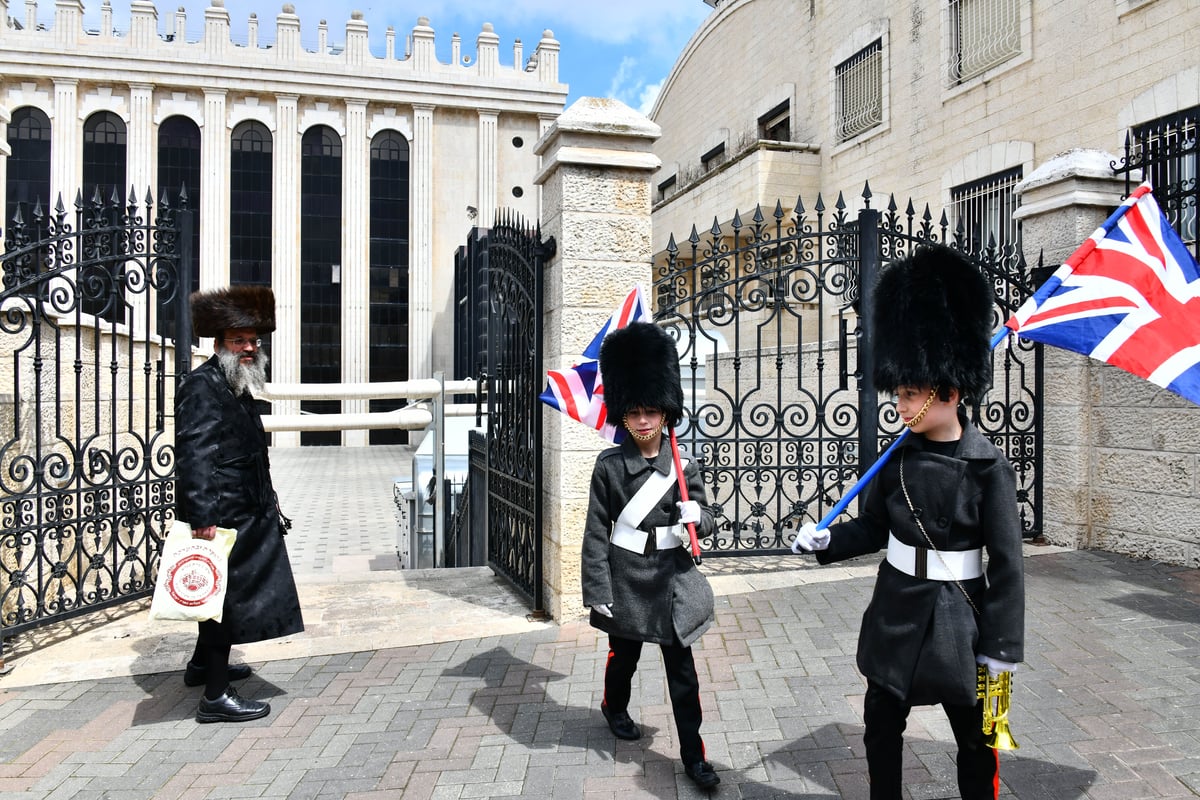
x: 243, y: 378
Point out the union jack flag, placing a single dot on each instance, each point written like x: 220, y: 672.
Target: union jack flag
x: 1129, y: 296
x: 578, y: 391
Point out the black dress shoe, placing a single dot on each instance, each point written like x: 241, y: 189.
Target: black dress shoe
x: 230, y: 707
x: 620, y: 723
x: 197, y: 675
x: 702, y: 774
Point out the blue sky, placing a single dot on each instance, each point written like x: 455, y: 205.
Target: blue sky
x: 623, y: 49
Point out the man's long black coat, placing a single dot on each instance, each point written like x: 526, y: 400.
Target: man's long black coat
x: 223, y: 478
x: 919, y: 637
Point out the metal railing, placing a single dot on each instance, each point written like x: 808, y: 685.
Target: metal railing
x: 413, y: 417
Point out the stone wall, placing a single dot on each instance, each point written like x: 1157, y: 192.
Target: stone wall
x: 1120, y: 454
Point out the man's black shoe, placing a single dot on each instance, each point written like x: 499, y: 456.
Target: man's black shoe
x: 620, y: 723
x: 230, y: 707
x: 197, y: 675
x: 702, y: 774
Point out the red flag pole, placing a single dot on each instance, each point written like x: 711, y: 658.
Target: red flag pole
x: 683, y: 495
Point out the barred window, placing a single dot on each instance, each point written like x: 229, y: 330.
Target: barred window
x: 859, y: 87
x: 1166, y: 149
x: 983, y: 34
x: 983, y: 210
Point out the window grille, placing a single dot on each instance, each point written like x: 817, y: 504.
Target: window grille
x: 859, y: 92
x: 1167, y: 151
x: 983, y: 34
x: 983, y: 210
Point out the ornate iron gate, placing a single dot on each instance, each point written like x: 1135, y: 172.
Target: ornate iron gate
x: 86, y: 464
x: 766, y: 313
x: 510, y: 257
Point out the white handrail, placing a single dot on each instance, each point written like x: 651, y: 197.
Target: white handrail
x: 413, y: 417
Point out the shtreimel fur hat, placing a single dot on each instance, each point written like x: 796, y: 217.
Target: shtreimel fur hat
x: 932, y: 323
x: 640, y: 368
x: 219, y: 310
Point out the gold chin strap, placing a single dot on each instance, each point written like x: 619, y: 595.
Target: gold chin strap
x: 924, y: 409
x: 638, y: 436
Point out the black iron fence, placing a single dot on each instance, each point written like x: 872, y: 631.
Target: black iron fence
x: 87, y: 464
x: 769, y: 313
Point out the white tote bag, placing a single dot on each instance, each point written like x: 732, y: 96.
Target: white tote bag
x: 192, y: 575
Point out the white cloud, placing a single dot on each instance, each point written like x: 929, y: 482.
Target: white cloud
x: 649, y: 97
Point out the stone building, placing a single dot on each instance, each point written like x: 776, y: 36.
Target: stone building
x: 343, y: 178
x: 1012, y: 118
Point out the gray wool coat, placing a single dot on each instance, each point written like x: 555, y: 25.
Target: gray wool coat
x: 658, y: 597
x: 919, y: 637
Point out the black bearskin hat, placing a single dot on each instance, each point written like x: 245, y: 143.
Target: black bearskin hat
x: 932, y: 323
x: 640, y: 368
x: 219, y: 310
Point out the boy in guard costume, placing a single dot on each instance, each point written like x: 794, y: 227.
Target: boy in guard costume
x: 938, y: 623
x: 638, y: 576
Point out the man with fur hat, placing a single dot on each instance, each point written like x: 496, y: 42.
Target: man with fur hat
x: 223, y: 479
x: 638, y: 575
x: 946, y: 496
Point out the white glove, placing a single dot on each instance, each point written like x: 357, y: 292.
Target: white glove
x: 604, y: 609
x: 995, y: 666
x: 810, y: 538
x: 689, y: 511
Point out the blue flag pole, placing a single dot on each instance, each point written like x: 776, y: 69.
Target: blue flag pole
x: 840, y: 506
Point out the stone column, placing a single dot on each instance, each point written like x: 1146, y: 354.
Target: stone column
x: 66, y: 163
x: 1103, y: 427
x: 488, y: 167
x: 140, y: 178
x: 285, y: 258
x: 596, y: 188
x: 356, y: 278
x: 214, y: 193
x: 420, y: 280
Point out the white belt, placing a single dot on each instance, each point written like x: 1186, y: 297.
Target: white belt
x: 634, y: 540
x: 921, y: 562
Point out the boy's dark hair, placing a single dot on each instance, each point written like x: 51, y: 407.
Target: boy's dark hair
x: 932, y: 323
x: 640, y: 369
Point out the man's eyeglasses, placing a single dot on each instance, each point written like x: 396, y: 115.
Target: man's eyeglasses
x: 240, y: 343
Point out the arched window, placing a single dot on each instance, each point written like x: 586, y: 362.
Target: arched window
x: 320, y: 271
x: 389, y: 271
x: 179, y: 171
x: 250, y: 205
x: 28, y: 183
x: 100, y: 285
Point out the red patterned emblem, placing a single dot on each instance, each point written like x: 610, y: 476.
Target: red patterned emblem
x: 194, y: 580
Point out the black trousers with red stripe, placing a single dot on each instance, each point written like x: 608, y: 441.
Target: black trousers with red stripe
x: 885, y: 717
x: 682, y: 684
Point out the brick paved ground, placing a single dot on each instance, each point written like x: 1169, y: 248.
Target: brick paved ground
x: 1106, y: 707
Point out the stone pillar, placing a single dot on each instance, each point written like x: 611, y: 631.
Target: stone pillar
x: 488, y: 167
x: 420, y: 247
x: 214, y: 193
x: 140, y: 152
x: 356, y: 273
x: 285, y: 258
x: 66, y: 163
x: 1121, y: 455
x: 596, y: 188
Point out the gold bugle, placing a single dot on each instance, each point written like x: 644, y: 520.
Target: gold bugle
x: 996, y: 694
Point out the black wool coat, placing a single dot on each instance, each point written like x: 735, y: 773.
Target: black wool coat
x: 223, y: 478
x: 919, y: 637
x: 658, y: 597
